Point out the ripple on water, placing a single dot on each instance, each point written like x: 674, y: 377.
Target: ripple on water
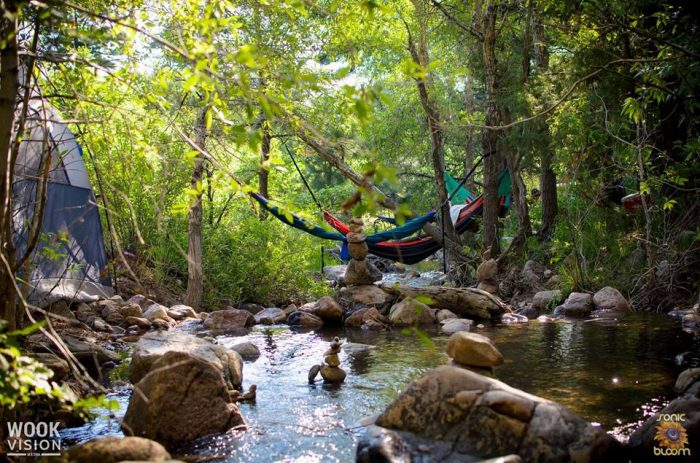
x: 615, y: 375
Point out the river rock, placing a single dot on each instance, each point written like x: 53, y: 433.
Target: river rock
x: 252, y: 307
x: 486, y: 274
x: 131, y: 310
x: 326, y: 308
x: 181, y: 311
x: 463, y: 416
x: 332, y: 374
x: 111, y: 312
x: 54, y: 363
x: 533, y: 272
x: 362, y: 316
x: 642, y: 442
x: 576, y: 305
x: 84, y: 313
x: 609, y: 298
x: 229, y: 320
x: 445, y: 314
x: 182, y: 398
x: 411, y: 312
x: 247, y: 351
x: 88, y: 352
x: 332, y: 360
x: 334, y: 272
x: 152, y: 346
x: 304, y: 319
x: 473, y: 349
x: 545, y: 301
x: 142, y: 323
x: 270, y: 316
x: 116, y: 449
x: 454, y: 325
x: 61, y: 308
x: 686, y: 379
x: 366, y: 294
x: 156, y: 311
x: 361, y: 272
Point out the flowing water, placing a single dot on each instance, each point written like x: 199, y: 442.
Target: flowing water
x: 613, y: 374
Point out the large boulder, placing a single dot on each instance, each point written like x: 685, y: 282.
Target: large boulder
x: 152, y: 346
x: 366, y: 294
x: 182, y: 398
x: 576, y: 305
x: 61, y: 308
x: 609, y: 298
x: 473, y: 349
x: 445, y: 314
x: 688, y: 379
x: 545, y: 301
x: 304, y: 320
x: 115, y: 449
x: 411, y: 312
x: 270, y: 316
x: 486, y: 274
x: 326, y: 308
x: 88, y: 352
x: 680, y: 417
x: 229, y: 320
x: 463, y: 416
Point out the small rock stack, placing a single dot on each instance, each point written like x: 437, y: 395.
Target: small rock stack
x: 330, y: 368
x: 473, y: 352
x: 359, y: 271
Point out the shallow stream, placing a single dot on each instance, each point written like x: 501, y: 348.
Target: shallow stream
x: 612, y: 373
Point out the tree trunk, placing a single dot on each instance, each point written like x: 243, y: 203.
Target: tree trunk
x: 519, y: 195
x: 419, y: 54
x: 469, y: 142
x: 527, y: 43
x: 195, y: 274
x: 9, y: 86
x: 541, y: 52
x: 493, y: 163
x: 263, y: 171
x: 548, y: 188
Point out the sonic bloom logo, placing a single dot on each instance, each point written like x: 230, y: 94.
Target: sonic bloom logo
x: 671, y: 435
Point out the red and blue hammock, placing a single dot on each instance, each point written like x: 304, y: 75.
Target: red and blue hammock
x: 392, y: 244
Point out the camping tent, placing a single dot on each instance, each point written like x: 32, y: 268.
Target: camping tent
x: 69, y: 260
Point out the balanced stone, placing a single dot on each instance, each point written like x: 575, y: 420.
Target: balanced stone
x: 332, y: 360
x: 332, y: 374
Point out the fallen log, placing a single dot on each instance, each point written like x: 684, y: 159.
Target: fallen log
x: 465, y: 302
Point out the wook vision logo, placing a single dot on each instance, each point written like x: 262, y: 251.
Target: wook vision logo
x: 671, y: 435
x: 28, y: 439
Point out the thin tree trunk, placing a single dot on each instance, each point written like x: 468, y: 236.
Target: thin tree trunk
x: 419, y: 53
x: 527, y: 43
x: 548, y: 188
x: 492, y: 164
x: 541, y: 52
x: 469, y: 142
x: 195, y: 274
x: 9, y: 85
x: 264, y: 171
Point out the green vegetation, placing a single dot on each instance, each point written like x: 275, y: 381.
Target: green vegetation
x: 183, y: 107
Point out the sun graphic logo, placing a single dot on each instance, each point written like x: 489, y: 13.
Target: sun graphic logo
x: 671, y: 436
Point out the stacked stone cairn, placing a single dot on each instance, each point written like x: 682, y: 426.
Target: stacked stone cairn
x: 330, y: 368
x: 359, y: 271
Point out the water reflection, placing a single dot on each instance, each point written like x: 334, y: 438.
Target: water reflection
x: 613, y: 374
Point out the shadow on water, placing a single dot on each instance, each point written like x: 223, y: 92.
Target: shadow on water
x: 613, y: 374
